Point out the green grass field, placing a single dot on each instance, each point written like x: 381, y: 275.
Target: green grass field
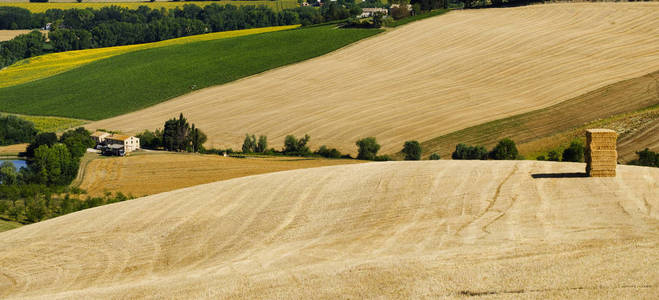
x: 8, y: 225
x: 136, y: 80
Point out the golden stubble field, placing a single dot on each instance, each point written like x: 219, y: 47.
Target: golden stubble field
x: 6, y: 35
x: 428, y: 78
x: 152, y: 173
x: 429, y: 229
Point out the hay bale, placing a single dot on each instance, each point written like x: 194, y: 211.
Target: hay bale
x: 601, y: 155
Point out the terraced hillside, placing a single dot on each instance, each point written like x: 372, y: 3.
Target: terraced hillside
x: 428, y: 78
x: 505, y: 229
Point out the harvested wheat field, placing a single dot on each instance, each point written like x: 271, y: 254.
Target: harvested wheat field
x: 428, y: 78
x: 12, y: 150
x: 6, y: 35
x: 148, y: 174
x: 394, y: 230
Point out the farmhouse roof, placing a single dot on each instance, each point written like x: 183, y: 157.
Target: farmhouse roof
x: 99, y: 134
x: 118, y: 137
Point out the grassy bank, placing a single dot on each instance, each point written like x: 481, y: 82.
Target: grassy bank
x: 136, y: 80
x: 8, y: 225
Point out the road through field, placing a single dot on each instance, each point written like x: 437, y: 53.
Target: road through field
x: 428, y: 78
x: 429, y: 229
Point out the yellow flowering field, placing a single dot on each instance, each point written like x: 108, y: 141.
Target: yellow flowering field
x: 54, y: 63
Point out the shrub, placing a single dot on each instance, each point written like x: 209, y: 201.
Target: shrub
x: 646, y: 158
x: 412, y: 150
x: 368, y: 148
x: 553, y: 156
x: 434, y: 156
x: 383, y: 158
x: 324, y: 151
x: 541, y: 157
x: 294, y: 146
x: 574, y: 153
x: 463, y: 151
x: 504, y: 150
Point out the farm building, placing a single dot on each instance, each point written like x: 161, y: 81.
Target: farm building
x: 115, y: 144
x: 129, y: 143
x: 370, y: 11
x: 99, y: 136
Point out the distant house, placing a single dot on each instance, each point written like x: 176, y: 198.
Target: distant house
x: 370, y: 11
x: 129, y: 143
x: 115, y: 144
x: 99, y: 137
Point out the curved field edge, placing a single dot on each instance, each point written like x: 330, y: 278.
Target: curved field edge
x: 539, y: 129
x: 44, y: 66
x: 396, y: 229
x: 42, y: 7
x: 136, y: 80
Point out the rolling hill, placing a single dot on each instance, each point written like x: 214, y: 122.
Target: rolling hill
x: 138, y: 79
x: 48, y: 65
x: 499, y: 229
x: 428, y: 78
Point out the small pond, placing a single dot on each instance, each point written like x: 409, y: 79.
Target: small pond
x: 18, y: 163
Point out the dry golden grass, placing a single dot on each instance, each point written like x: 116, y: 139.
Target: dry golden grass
x: 429, y: 229
x: 153, y: 173
x: 428, y: 78
x: 6, y: 35
x: 50, y: 64
x: 12, y: 150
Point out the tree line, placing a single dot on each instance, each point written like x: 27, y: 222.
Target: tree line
x: 177, y: 135
x: 77, y: 29
x: 14, y: 130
